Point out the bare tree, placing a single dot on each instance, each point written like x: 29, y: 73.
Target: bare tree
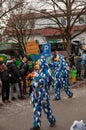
x: 71, y: 11
x: 6, y: 6
x: 20, y: 25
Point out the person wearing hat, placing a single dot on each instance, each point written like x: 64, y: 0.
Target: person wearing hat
x: 40, y: 96
x: 61, y: 71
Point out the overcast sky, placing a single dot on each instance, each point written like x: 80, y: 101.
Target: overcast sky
x: 40, y: 5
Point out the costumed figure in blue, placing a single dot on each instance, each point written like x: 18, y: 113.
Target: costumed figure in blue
x: 40, y: 96
x: 61, y: 73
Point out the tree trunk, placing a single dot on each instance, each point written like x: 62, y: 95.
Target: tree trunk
x: 68, y: 48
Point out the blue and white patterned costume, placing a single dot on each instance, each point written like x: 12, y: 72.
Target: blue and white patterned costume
x: 61, y: 72
x: 40, y: 96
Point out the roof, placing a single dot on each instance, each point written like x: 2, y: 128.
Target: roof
x: 53, y: 31
x: 46, y: 32
x: 42, y: 14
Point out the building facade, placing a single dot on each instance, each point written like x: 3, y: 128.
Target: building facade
x: 45, y: 30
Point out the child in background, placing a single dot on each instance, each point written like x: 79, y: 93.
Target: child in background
x: 73, y: 74
x: 29, y: 78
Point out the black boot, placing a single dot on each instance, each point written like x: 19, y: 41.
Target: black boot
x: 52, y: 124
x: 70, y: 96
x: 35, y: 128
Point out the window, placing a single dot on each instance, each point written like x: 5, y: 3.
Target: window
x: 57, y: 47
x: 81, y: 20
x: 63, y: 21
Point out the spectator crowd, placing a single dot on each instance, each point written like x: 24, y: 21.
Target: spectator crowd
x: 17, y: 78
x: 13, y: 78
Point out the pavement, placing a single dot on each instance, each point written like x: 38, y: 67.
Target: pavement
x: 18, y: 115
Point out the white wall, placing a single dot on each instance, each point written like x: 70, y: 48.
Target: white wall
x: 44, y: 22
x: 81, y: 37
x: 42, y: 39
x: 39, y: 38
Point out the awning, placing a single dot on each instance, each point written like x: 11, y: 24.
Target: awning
x: 52, y: 42
x: 55, y: 41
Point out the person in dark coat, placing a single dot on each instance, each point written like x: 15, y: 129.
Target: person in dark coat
x: 15, y: 77
x: 78, y: 66
x: 84, y: 62
x: 23, y: 70
x: 4, y: 77
x: 72, y: 60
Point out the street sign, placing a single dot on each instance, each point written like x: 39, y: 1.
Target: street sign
x: 52, y: 41
x: 32, y: 47
x: 46, y: 49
